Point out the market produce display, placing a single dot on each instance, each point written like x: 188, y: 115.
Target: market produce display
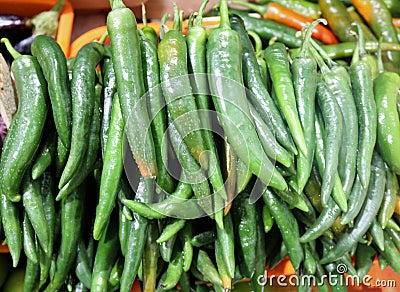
x: 192, y: 161
x: 22, y: 30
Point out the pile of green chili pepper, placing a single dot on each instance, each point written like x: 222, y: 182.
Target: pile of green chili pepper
x: 250, y: 143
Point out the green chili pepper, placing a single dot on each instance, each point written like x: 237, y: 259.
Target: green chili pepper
x: 356, y: 201
x: 244, y: 215
x: 376, y: 231
x: 362, y: 87
x: 389, y: 199
x: 31, y: 278
x: 106, y: 255
x: 126, y: 55
x: 304, y: 72
x: 112, y: 170
x: 327, y: 215
x: 370, y: 210
x: 109, y: 90
x: 47, y: 189
x: 156, y: 111
x: 365, y: 255
x: 83, y: 269
x: 339, y: 20
x: 33, y: 206
x: 267, y: 29
x: 385, y: 88
x: 72, y: 209
x: 28, y: 239
x: 136, y: 237
x: 337, y: 80
x: 268, y: 220
x: 175, y: 82
x: 333, y: 125
x: 187, y: 249
x: 203, y: 238
x: 259, y: 96
x: 149, y: 32
x: 23, y: 136
x: 83, y: 106
x: 225, y: 237
x: 278, y: 66
x: 288, y: 225
x: 222, y: 267
x: 45, y: 155
x: 207, y: 268
x: 88, y: 162
x: 192, y: 173
x: 174, y: 270
x: 346, y: 49
x: 171, y: 229
x: 378, y: 17
x: 196, y: 40
x: 391, y: 254
x: 223, y: 53
x: 260, y: 255
x: 54, y: 66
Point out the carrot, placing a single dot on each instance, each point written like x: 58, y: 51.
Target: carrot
x: 397, y: 208
x: 396, y: 22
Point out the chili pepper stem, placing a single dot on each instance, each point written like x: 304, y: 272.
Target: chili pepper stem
x: 163, y: 26
x: 144, y: 18
x: 260, y: 9
x: 257, y: 41
x: 177, y: 23
x: 199, y: 18
x: 224, y: 14
x: 323, y: 54
x: 115, y: 4
x: 103, y: 37
x: 13, y: 52
x: 306, y: 40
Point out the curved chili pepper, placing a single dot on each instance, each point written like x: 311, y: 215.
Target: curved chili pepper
x: 288, y: 17
x: 378, y: 17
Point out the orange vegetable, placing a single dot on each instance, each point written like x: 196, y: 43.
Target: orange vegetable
x: 288, y: 17
x: 396, y: 22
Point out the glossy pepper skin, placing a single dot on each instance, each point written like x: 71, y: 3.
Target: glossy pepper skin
x: 386, y: 87
x: 25, y: 132
x: 291, y: 18
x: 229, y: 97
x: 263, y: 104
x: 54, y: 66
x: 334, y: 11
x: 279, y: 69
x: 126, y: 55
x: 378, y: 17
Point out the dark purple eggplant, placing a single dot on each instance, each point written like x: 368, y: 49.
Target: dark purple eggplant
x: 15, y: 28
x: 21, y: 31
x: 9, y: 21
